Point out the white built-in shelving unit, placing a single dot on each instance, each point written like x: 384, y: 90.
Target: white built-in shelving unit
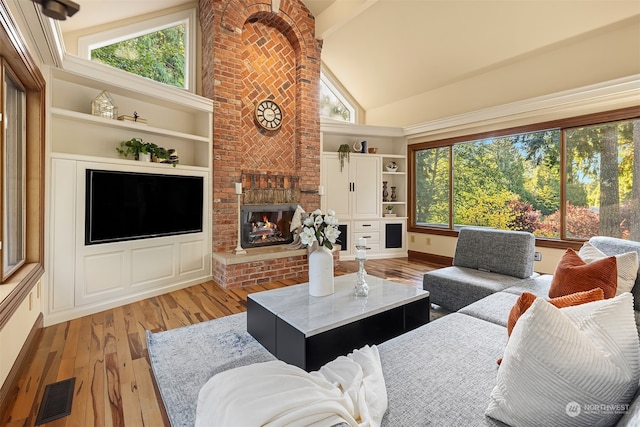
x: 85, y: 279
x: 355, y: 192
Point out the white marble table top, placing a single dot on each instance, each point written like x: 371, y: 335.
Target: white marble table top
x: 313, y: 315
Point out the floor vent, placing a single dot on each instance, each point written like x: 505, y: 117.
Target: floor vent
x: 56, y: 401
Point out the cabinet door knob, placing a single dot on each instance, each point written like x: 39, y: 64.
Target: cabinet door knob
x: 366, y: 225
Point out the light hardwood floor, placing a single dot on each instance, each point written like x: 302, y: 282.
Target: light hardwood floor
x: 107, y: 353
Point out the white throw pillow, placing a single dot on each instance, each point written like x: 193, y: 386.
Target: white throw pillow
x: 627, y: 264
x: 574, y: 369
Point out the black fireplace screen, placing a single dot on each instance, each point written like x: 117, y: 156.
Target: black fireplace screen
x: 264, y: 225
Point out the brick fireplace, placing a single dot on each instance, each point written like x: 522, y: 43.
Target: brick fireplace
x: 254, y: 51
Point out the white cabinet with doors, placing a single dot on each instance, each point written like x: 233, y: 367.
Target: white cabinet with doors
x: 355, y: 190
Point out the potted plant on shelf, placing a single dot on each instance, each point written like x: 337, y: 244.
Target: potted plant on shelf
x: 389, y: 210
x: 135, y: 147
x: 343, y: 153
x: 144, y: 151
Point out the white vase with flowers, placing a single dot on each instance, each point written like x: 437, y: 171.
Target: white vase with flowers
x: 323, y: 229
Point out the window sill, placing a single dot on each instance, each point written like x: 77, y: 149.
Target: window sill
x: 540, y: 242
x: 16, y: 289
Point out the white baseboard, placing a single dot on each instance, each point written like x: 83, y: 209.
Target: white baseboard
x: 88, y: 309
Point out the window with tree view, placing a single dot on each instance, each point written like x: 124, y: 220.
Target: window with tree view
x: 159, y: 55
x: 333, y: 104
x: 564, y: 183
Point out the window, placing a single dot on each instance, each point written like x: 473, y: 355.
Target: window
x: 602, y: 178
x: 161, y: 49
x: 567, y: 182
x: 22, y: 147
x: 158, y: 56
x: 333, y: 104
x: 13, y: 176
x: 432, y: 183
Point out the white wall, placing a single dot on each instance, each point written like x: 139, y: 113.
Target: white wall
x: 601, y: 56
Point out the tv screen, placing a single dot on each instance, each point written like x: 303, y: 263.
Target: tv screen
x: 130, y: 205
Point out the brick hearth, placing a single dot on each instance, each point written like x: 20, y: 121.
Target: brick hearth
x: 250, y: 54
x: 263, y: 265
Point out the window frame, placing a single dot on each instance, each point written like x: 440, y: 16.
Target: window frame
x: 186, y: 17
x: 342, y: 97
x: 16, y: 53
x: 628, y: 113
x: 5, y: 72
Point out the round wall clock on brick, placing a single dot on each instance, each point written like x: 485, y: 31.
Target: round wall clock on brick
x: 268, y: 114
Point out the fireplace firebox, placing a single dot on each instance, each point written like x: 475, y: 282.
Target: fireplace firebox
x: 265, y: 225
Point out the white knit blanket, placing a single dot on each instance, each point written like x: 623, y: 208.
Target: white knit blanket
x: 348, y: 389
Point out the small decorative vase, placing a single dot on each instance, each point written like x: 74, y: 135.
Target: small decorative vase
x: 321, y: 272
x: 144, y: 157
x: 385, y: 192
x: 394, y: 196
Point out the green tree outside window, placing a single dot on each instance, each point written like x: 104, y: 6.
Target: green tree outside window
x: 159, y: 56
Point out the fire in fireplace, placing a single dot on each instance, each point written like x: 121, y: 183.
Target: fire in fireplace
x: 264, y: 225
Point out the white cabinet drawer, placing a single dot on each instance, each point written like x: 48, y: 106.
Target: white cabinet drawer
x: 364, y: 226
x: 373, y: 237
x: 373, y: 248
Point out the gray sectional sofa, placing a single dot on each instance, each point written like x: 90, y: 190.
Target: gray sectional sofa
x: 442, y: 373
x: 485, y: 261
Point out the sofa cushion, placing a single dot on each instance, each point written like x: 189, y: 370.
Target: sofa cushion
x: 631, y: 417
x: 457, y: 287
x: 557, y: 359
x: 575, y: 275
x: 626, y: 264
x: 442, y: 373
x: 497, y: 251
x: 493, y: 308
x: 536, y: 285
x: 613, y: 246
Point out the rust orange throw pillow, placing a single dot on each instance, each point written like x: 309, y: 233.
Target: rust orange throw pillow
x: 574, y: 275
x: 527, y: 298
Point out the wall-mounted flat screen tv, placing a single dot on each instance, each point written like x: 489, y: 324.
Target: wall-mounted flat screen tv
x: 130, y: 205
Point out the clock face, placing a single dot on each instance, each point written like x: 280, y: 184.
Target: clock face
x: 268, y: 114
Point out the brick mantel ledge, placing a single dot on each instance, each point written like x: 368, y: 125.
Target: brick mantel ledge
x: 262, y: 265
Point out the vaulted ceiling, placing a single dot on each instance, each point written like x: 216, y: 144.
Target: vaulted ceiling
x: 386, y: 51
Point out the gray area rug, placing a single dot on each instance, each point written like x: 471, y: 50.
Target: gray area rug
x: 184, y: 359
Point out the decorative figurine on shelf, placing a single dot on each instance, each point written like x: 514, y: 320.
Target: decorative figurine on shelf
x: 361, y: 289
x: 135, y: 118
x: 103, y: 106
x: 385, y: 192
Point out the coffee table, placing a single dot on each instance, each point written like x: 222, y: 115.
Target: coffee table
x: 309, y: 331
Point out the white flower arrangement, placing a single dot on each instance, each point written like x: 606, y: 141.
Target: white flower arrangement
x: 320, y: 228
